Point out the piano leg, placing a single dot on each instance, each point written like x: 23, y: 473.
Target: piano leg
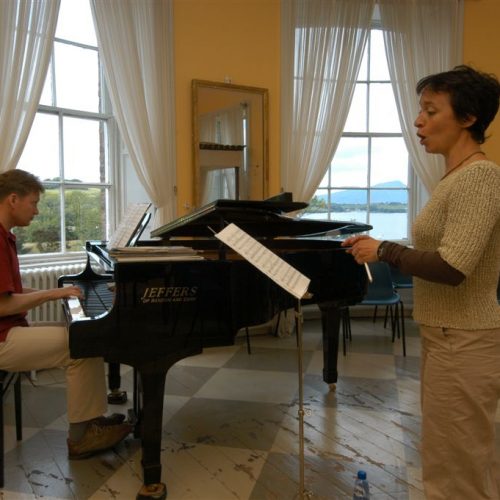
x: 330, y: 321
x: 153, y: 387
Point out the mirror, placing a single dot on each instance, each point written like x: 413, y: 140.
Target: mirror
x: 230, y: 142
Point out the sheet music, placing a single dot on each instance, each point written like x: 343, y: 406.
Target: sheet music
x: 154, y: 253
x: 266, y: 261
x: 128, y: 225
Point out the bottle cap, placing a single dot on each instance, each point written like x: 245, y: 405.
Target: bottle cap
x: 361, y: 475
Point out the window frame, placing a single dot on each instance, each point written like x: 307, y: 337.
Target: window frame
x: 369, y: 136
x: 113, y: 159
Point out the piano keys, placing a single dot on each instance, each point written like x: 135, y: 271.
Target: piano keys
x: 164, y: 311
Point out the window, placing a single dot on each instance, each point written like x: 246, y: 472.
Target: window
x: 69, y: 143
x: 367, y: 180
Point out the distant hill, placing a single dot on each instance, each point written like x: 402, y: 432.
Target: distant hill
x: 356, y: 197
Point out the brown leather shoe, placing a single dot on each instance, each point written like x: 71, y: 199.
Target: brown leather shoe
x: 98, y: 437
x: 113, y: 419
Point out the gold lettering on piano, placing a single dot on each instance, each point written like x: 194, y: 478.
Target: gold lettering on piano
x: 161, y: 294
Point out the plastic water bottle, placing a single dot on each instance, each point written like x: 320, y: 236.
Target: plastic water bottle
x: 361, y: 487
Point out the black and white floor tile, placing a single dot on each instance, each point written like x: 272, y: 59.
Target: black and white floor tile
x: 231, y: 427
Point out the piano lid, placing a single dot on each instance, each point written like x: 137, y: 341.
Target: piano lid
x: 265, y: 218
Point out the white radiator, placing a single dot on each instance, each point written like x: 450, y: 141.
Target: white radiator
x: 46, y: 277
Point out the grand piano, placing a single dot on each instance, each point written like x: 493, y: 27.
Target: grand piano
x: 159, y: 311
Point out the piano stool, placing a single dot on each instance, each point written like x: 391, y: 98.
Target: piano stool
x: 6, y: 380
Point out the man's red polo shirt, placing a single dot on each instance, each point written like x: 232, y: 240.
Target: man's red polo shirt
x: 10, y: 280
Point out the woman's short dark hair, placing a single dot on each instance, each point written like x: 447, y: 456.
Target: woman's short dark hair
x: 19, y: 182
x: 472, y: 94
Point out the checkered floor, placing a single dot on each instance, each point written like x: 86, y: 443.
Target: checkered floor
x: 231, y: 427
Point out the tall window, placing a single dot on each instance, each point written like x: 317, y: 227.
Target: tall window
x: 367, y: 180
x: 69, y: 142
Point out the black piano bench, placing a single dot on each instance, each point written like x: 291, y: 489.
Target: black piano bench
x: 6, y: 380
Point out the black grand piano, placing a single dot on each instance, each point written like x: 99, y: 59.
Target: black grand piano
x: 161, y: 311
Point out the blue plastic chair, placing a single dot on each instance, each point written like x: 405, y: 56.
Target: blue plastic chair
x: 381, y: 292
x: 400, y: 280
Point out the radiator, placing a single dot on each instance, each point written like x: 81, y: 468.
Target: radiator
x: 46, y: 277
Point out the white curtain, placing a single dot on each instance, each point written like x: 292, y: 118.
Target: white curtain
x: 26, y: 36
x: 422, y: 37
x: 322, y: 47
x: 136, y: 44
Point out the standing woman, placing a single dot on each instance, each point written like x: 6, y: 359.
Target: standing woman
x: 456, y: 265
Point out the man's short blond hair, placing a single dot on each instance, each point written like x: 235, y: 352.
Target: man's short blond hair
x: 19, y: 182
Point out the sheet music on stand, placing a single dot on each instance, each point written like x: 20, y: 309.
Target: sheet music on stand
x: 266, y: 261
x: 129, y: 225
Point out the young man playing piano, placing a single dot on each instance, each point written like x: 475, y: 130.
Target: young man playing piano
x: 26, y: 348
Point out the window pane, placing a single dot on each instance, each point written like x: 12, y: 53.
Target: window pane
x: 389, y: 214
x: 43, y: 235
x: 350, y: 163
x: 41, y: 153
x: 349, y: 205
x: 383, y: 111
x: 389, y: 162
x: 356, y: 119
x: 77, y: 77
x: 62, y: 148
x: 367, y: 180
x: 363, y: 70
x: 46, y: 97
x: 75, y: 22
x: 82, y: 151
x: 85, y: 212
x: 326, y: 180
x: 378, y: 60
x: 318, y: 206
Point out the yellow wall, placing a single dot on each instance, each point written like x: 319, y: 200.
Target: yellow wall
x: 481, y: 41
x: 240, y: 39
x: 215, y: 39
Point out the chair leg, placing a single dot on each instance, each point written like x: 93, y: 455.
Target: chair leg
x: 375, y: 313
x: 6, y: 380
x: 343, y: 320
x: 276, y: 328
x: 18, y: 407
x: 396, y: 320
x: 386, y: 316
x: 2, y: 464
x: 403, y: 333
x: 393, y: 324
x: 249, y: 349
x: 349, y: 329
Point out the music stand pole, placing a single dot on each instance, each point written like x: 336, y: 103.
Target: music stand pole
x: 303, y: 493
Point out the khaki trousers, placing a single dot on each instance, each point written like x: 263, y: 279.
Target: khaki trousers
x: 40, y: 347
x: 460, y: 384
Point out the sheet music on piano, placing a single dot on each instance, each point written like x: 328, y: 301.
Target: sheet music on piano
x: 134, y: 215
x: 154, y: 253
x: 273, y: 266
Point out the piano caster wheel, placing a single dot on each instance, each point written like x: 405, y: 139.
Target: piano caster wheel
x: 332, y: 387
x: 117, y: 397
x: 156, y: 491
